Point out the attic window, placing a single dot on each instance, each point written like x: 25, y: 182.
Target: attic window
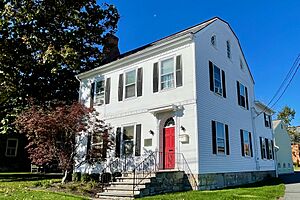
x: 213, y: 40
x: 241, y: 64
x: 228, y: 49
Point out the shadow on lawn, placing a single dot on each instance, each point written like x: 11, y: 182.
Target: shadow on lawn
x: 291, y: 178
x: 27, y: 177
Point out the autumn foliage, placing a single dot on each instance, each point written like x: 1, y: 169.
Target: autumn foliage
x: 53, y: 134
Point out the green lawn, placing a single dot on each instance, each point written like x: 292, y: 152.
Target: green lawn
x: 266, y: 191
x: 23, y: 186
x: 37, y: 186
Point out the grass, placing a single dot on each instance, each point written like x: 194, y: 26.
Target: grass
x: 296, y: 168
x: 272, y: 189
x: 31, y: 186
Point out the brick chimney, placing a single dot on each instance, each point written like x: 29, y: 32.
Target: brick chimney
x: 110, y: 48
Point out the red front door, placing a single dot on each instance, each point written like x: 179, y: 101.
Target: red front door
x: 169, y: 148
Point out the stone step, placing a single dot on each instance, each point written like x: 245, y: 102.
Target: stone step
x: 131, y: 175
x: 119, y: 194
x: 125, y: 187
x: 131, y: 182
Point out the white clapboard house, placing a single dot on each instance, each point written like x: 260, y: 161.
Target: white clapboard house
x: 187, y: 98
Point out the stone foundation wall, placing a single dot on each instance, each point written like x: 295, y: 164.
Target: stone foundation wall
x: 221, y: 180
x: 167, y: 182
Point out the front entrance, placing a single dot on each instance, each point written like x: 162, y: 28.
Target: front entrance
x: 169, y: 144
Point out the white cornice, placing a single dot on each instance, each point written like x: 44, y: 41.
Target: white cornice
x: 155, y: 49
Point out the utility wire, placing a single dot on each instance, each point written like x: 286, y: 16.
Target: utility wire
x: 287, y: 77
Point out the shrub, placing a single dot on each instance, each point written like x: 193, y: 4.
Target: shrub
x: 76, y: 176
x: 95, y: 177
x: 85, y: 177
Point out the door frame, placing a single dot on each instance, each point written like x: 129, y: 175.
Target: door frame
x: 169, y: 122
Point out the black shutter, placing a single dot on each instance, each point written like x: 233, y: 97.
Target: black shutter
x: 267, y: 148
x: 88, y: 144
x: 178, y: 71
x: 250, y: 140
x: 211, y: 76
x: 242, y: 142
x: 92, y: 95
x: 140, y: 82
x: 118, y: 142
x: 138, y: 140
x: 272, y: 149
x: 120, y: 91
x: 238, y: 92
x: 261, y: 147
x: 223, y: 84
x: 227, y: 139
x: 107, y: 91
x: 214, y: 137
x: 247, y: 104
x: 155, y: 77
x: 269, y: 116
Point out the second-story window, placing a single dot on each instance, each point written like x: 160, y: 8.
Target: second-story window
x: 167, y: 74
x: 130, y: 83
x: 268, y: 121
x: 99, y: 92
x: 242, y: 93
x: 217, y: 80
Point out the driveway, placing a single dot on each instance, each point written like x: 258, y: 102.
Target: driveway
x: 292, y: 186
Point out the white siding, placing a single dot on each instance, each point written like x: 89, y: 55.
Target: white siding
x: 214, y: 107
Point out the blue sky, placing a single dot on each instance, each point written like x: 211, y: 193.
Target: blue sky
x: 269, y: 32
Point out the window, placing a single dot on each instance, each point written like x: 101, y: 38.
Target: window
x: 217, y: 80
x: 228, y: 49
x: 128, y: 134
x: 130, y: 83
x: 270, y: 149
x: 99, y: 92
x: 220, y: 138
x: 289, y: 165
x: 279, y: 166
x: 11, y: 147
x: 263, y: 148
x: 213, y: 40
x: 242, y: 92
x: 167, y: 74
x: 284, y: 165
x: 246, y: 143
x: 268, y: 120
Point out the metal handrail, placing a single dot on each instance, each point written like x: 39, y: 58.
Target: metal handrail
x: 144, y: 175
x: 104, y: 170
x: 190, y: 171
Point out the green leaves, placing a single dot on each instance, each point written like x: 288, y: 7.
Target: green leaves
x: 44, y: 44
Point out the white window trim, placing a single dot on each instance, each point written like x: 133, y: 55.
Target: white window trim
x: 135, y: 84
x: 264, y: 149
x: 16, y: 148
x: 174, y: 72
x: 221, y: 81
x: 122, y: 139
x: 246, y: 133
x: 243, y: 95
x: 224, y: 138
x: 102, y: 97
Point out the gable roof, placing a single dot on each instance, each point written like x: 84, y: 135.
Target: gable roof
x: 191, y: 30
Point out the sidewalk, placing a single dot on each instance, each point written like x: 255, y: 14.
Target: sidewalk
x: 292, y: 186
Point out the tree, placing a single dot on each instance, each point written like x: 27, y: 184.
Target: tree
x: 54, y: 134
x: 287, y: 114
x: 43, y: 45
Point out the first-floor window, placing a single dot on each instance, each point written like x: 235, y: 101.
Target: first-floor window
x: 270, y: 149
x: 128, y: 134
x: 220, y: 138
x: 246, y: 143
x: 263, y: 148
x: 11, y: 147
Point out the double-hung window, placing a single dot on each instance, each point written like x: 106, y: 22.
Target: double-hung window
x: 246, y: 143
x: 11, y: 147
x: 242, y: 93
x: 268, y: 120
x: 263, y: 149
x: 99, y: 92
x: 217, y: 80
x: 128, y: 135
x: 220, y: 138
x: 130, y: 83
x: 167, y: 74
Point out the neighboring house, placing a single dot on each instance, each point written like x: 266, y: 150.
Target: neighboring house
x: 189, y: 94
x: 284, y: 152
x: 13, y: 156
x: 296, y: 154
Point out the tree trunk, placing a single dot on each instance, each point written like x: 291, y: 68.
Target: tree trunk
x: 63, y: 181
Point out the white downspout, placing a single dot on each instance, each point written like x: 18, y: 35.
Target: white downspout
x: 253, y: 111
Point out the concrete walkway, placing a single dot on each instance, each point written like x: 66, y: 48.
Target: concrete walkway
x: 292, y: 186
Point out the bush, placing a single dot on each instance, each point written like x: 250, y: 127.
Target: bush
x: 76, y: 176
x: 95, y: 177
x: 85, y: 177
x: 105, y: 177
